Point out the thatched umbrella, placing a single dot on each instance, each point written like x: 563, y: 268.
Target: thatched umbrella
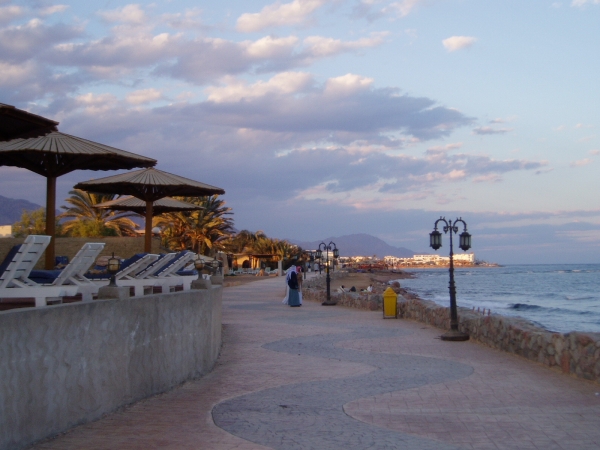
x: 160, y: 206
x: 149, y: 185
x: 15, y: 122
x: 56, y: 154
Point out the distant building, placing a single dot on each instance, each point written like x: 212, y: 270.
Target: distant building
x: 5, y: 231
x: 430, y: 260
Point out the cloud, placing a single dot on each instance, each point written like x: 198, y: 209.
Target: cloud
x: 132, y: 51
x: 205, y: 59
x: 143, y: 96
x: 54, y: 9
x: 581, y: 3
x: 581, y: 162
x: 403, y: 8
x: 23, y: 42
x: 131, y: 14
x: 297, y: 12
x: 371, y: 11
x: 490, y: 130
x: 238, y: 90
x: 188, y: 20
x: 348, y: 105
x: 586, y: 138
x: 318, y: 46
x: 10, y: 12
x: 445, y: 148
x: 455, y: 43
x: 498, y: 120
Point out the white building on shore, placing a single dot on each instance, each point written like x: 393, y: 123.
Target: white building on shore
x: 430, y: 260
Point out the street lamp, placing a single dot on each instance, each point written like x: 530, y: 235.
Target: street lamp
x: 331, y: 247
x: 112, y: 267
x: 435, y: 242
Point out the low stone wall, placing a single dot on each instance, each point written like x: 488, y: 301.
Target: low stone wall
x: 68, y: 364
x: 572, y: 353
x: 372, y: 302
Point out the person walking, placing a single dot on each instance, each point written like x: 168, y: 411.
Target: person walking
x: 292, y: 296
x: 299, y: 276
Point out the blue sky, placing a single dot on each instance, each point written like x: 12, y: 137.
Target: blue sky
x: 328, y: 117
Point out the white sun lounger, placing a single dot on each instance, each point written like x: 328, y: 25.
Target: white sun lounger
x: 145, y: 278
x: 14, y: 281
x: 72, y: 277
x: 167, y: 277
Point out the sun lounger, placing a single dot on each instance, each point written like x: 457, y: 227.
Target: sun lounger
x: 16, y: 268
x: 171, y: 274
x: 72, y: 277
x: 145, y: 277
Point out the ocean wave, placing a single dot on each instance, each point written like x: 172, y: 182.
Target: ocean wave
x: 588, y: 297
x: 525, y: 307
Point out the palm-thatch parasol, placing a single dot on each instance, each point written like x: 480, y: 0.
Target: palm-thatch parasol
x: 15, y: 122
x: 149, y: 185
x: 160, y: 206
x: 56, y: 154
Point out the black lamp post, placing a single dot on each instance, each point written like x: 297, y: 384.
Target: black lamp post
x: 435, y: 242
x: 319, y: 254
x: 113, y: 266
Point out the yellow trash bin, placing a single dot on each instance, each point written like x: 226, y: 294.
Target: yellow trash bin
x: 390, y: 305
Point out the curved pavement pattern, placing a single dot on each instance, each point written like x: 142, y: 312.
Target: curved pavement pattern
x: 311, y: 415
x: 336, y: 378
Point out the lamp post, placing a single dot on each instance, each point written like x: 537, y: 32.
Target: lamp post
x: 113, y: 266
x: 435, y: 242
x: 331, y: 247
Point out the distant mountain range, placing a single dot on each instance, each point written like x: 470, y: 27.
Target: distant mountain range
x: 11, y: 209
x: 359, y: 244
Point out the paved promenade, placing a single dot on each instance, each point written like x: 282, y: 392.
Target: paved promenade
x: 321, y: 377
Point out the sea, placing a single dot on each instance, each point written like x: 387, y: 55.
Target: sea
x: 559, y: 298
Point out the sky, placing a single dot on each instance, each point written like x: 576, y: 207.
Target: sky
x: 324, y: 118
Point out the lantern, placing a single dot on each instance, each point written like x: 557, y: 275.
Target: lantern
x: 465, y: 241
x: 113, y: 266
x: 198, y: 263
x: 435, y: 239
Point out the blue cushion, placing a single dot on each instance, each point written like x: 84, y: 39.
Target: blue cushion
x: 131, y: 260
x: 9, y: 257
x: 184, y: 273
x: 44, y: 276
x: 61, y: 261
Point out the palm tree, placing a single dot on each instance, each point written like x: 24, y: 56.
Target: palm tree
x: 243, y: 242
x: 87, y: 221
x: 201, y: 231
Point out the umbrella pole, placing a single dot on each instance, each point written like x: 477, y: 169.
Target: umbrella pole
x: 50, y: 221
x: 148, y: 235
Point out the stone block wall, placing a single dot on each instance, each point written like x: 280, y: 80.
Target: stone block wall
x: 68, y: 364
x: 371, y: 302
x: 124, y: 247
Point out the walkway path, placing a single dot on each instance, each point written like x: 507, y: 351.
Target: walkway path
x: 334, y: 378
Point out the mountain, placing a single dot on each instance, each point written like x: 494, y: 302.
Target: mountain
x: 11, y: 209
x: 359, y: 245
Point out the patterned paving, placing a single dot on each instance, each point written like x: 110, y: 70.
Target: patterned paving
x: 334, y: 378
